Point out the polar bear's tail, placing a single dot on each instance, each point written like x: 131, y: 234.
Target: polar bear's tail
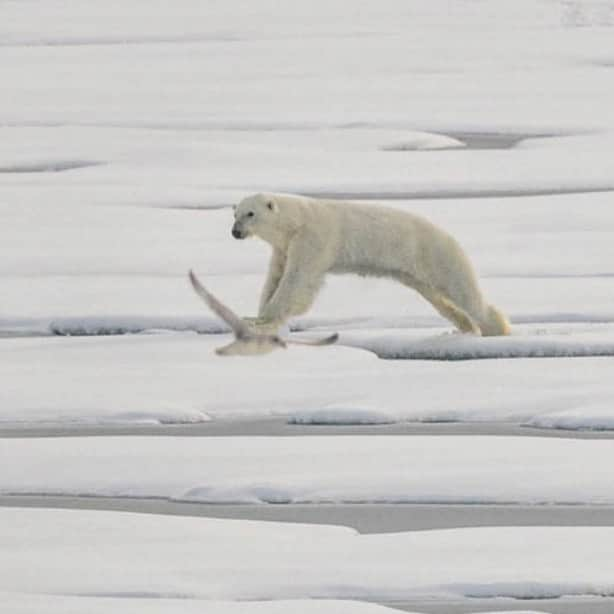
x: 495, y: 323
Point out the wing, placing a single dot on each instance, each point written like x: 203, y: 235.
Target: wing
x: 322, y: 341
x: 239, y: 327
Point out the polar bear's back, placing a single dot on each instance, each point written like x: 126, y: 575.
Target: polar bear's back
x: 375, y: 239
x: 378, y: 241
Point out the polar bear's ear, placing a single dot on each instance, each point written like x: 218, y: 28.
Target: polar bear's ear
x: 271, y: 205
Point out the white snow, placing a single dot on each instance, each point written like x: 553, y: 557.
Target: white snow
x: 178, y: 378
x: 24, y: 603
x: 351, y: 469
x: 145, y: 556
x: 424, y: 140
x: 591, y: 417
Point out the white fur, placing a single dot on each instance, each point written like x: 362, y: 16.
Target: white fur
x: 313, y: 237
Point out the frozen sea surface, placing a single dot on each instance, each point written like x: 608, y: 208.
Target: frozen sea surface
x: 177, y: 378
x: 144, y: 555
x: 127, y: 132
x: 274, y: 470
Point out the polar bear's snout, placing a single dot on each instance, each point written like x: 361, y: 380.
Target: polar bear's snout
x: 238, y: 232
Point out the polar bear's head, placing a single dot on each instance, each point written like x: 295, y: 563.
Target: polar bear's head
x: 271, y: 217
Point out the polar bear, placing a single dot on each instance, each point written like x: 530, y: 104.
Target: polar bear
x: 312, y: 237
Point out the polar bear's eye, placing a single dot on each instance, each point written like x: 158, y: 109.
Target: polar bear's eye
x: 250, y: 214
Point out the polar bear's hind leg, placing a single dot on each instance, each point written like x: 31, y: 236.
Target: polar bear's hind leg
x: 492, y: 324
x: 459, y: 317
x: 495, y: 323
x: 445, y: 306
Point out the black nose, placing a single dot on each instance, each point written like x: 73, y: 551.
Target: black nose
x: 236, y: 234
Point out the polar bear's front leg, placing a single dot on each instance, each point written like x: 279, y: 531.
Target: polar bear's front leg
x: 300, y: 282
x: 276, y: 270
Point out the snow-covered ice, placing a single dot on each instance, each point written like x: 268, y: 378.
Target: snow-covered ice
x: 371, y: 469
x: 143, y: 555
x: 598, y: 417
x: 539, y: 342
x: 127, y: 131
x: 177, y: 378
x: 28, y: 603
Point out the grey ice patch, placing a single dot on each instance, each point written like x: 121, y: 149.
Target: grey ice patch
x: 497, y: 140
x: 342, y: 415
x: 51, y: 166
x: 120, y: 41
x: 451, y: 193
x: 124, y: 325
